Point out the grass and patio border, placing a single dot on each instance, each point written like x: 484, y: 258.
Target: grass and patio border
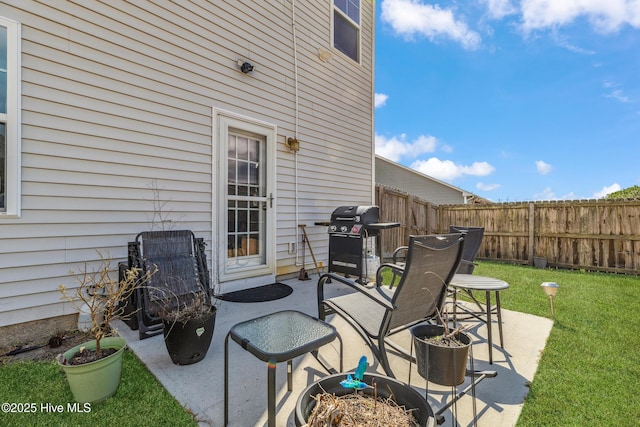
x: 587, y: 374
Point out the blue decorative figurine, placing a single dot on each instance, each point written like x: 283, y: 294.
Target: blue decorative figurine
x: 356, y: 383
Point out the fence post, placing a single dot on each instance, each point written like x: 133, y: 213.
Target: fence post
x: 408, y: 219
x: 379, y: 195
x: 532, y: 222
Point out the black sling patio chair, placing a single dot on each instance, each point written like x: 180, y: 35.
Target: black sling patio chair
x: 178, y: 263
x: 379, y: 312
x: 472, y: 241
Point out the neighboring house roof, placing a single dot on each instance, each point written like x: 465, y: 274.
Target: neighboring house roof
x: 395, y: 175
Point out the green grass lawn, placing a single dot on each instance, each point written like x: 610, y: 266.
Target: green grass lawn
x: 140, y: 400
x: 589, y: 373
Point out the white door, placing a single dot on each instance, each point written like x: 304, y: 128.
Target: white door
x: 246, y: 206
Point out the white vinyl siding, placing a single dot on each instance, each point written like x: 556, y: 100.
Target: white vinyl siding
x: 117, y: 97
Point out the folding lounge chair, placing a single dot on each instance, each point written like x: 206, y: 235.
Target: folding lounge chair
x: 380, y: 312
x: 472, y: 241
x: 179, y: 265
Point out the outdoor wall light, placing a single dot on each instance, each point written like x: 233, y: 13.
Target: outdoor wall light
x: 551, y: 289
x: 292, y: 144
x: 245, y: 67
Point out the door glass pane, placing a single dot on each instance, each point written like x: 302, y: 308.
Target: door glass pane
x: 231, y: 217
x: 231, y: 177
x: 254, y: 182
x: 246, y: 210
x: 242, y: 220
x: 254, y: 224
x: 254, y: 150
x: 242, y: 148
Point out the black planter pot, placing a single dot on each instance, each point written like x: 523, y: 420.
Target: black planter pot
x: 188, y: 342
x: 401, y: 393
x: 442, y: 365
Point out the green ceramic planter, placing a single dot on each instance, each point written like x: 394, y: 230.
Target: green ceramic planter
x: 99, y: 380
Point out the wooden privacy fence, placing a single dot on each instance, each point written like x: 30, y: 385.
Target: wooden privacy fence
x: 599, y: 235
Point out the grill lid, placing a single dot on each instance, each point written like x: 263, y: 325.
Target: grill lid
x: 353, y: 219
x: 356, y: 214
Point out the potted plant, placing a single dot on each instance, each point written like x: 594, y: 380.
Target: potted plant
x: 93, y: 368
x: 180, y: 293
x: 441, y: 353
x: 387, y: 401
x: 188, y: 322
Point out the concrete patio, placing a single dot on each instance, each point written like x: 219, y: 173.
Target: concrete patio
x: 200, y: 387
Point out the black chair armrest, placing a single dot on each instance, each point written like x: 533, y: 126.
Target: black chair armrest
x: 397, y: 252
x: 466, y: 267
x: 375, y: 294
x: 397, y: 270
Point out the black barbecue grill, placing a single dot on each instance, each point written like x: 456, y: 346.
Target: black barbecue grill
x: 349, y: 229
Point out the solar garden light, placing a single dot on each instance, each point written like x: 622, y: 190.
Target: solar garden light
x: 550, y: 288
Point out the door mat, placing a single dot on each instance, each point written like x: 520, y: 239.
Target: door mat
x: 262, y: 293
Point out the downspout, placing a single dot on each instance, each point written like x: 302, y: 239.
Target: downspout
x: 296, y: 123
x: 373, y: 106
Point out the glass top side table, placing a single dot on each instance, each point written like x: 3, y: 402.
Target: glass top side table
x: 279, y: 337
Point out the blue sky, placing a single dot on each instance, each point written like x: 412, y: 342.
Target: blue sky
x: 512, y: 100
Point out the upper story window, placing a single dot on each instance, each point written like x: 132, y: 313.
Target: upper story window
x: 9, y: 118
x: 346, y: 27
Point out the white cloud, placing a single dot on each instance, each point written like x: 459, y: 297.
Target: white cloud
x: 448, y: 170
x: 446, y: 148
x: 549, y: 194
x: 546, y: 194
x: 614, y: 93
x: 487, y: 187
x: 562, y: 41
x: 604, y: 15
x: 570, y: 196
x: 618, y: 95
x: 396, y: 147
x: 607, y: 190
x: 380, y: 99
x: 498, y: 9
x: 542, y: 167
x: 413, y: 17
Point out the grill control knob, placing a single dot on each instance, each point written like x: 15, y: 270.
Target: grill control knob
x: 333, y: 228
x: 343, y: 228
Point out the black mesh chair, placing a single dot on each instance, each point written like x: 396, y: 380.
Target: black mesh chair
x: 472, y: 241
x: 178, y: 262
x: 380, y: 312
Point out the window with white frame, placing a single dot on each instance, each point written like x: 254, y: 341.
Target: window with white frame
x: 346, y: 27
x: 9, y: 118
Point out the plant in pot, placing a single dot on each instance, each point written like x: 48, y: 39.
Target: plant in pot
x: 179, y: 294
x: 364, y: 399
x: 441, y: 353
x: 93, y: 369
x: 188, y: 318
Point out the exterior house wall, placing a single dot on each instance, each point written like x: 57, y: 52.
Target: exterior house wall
x: 394, y: 175
x: 117, y: 100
